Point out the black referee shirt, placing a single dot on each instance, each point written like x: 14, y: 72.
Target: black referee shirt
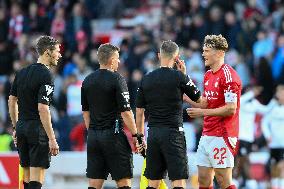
x: 105, y: 95
x: 161, y: 93
x: 32, y: 85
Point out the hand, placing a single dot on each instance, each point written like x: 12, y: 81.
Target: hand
x: 185, y: 98
x: 195, y: 112
x: 141, y: 147
x: 53, y: 147
x: 14, y: 136
x: 181, y: 65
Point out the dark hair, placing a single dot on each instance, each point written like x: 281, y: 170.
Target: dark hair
x: 105, y: 52
x: 168, y: 48
x: 217, y: 42
x: 45, y: 43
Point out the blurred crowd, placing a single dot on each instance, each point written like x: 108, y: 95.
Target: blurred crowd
x: 254, y: 30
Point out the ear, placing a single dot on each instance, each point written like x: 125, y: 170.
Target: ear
x: 159, y: 56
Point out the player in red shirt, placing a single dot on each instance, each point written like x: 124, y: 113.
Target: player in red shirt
x: 220, y: 106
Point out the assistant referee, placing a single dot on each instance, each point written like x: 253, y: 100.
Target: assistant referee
x: 105, y: 105
x: 161, y: 94
x: 29, y: 101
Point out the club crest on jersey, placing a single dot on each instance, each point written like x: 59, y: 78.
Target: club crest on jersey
x: 206, y: 83
x: 49, y: 89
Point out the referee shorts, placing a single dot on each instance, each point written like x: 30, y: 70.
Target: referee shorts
x: 32, y: 144
x: 166, y: 151
x: 108, y: 153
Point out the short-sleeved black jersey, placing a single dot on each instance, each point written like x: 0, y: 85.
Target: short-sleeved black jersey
x: 161, y: 93
x: 32, y: 85
x: 105, y: 95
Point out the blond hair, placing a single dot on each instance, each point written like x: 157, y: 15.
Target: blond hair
x: 217, y: 42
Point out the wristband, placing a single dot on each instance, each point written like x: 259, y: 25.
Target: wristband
x: 138, y: 135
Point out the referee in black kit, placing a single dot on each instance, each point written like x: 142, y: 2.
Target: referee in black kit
x: 105, y: 105
x: 29, y: 101
x: 161, y: 94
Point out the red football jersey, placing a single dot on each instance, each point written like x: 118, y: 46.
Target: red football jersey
x: 216, y: 86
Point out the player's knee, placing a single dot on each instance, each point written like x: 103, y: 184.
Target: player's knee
x: 124, y: 187
x: 204, y: 180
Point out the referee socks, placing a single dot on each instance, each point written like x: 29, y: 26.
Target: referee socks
x: 26, y: 185
x: 35, y: 185
x: 125, y: 187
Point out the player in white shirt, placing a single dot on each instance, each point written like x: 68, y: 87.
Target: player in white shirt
x: 273, y: 130
x: 250, y: 106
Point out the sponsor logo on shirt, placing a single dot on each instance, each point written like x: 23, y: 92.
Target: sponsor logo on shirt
x: 49, y: 89
x: 211, y: 95
x: 126, y: 97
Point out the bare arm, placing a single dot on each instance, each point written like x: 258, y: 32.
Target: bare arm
x: 86, y: 116
x: 200, y: 103
x: 45, y: 118
x: 227, y: 110
x: 128, y: 119
x: 13, y: 109
x: 140, y: 118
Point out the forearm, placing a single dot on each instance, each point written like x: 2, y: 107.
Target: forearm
x: 13, y: 110
x: 200, y: 103
x: 128, y: 119
x: 45, y: 118
x: 86, y: 116
x: 221, y: 111
x: 140, y: 118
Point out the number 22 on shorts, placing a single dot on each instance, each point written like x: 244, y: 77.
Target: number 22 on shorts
x: 219, y: 154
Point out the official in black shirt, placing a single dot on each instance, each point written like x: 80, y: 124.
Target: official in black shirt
x: 105, y: 105
x: 29, y: 101
x: 161, y: 94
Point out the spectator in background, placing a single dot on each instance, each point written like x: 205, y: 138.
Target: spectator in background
x: 277, y: 63
x: 216, y: 22
x: 264, y: 79
x: 82, y: 69
x: 6, y: 141
x: 16, y: 23
x: 34, y: 23
x: 3, y: 103
x: 232, y: 29
x: 4, y: 25
x: 77, y: 22
x: 263, y: 47
x: 6, y: 59
x: 74, y: 101
x: 58, y: 24
x: 78, y: 137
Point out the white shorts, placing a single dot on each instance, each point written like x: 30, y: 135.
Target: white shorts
x: 213, y: 152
